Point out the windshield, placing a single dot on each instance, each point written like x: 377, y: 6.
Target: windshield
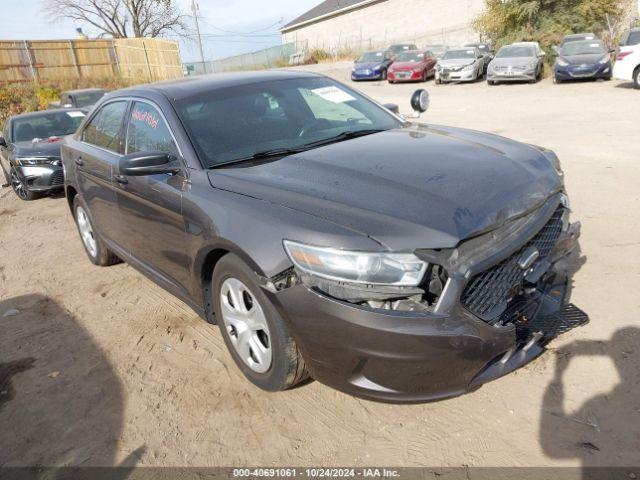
x: 480, y: 46
x: 589, y: 47
x: 233, y: 123
x: 437, y: 49
x: 371, y: 57
x: 577, y: 38
x: 516, y: 51
x: 401, y: 48
x: 459, y: 54
x: 87, y: 99
x: 411, y: 57
x: 633, y: 38
x: 47, y: 125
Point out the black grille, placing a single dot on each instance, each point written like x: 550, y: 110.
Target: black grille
x: 488, y: 293
x: 56, y: 178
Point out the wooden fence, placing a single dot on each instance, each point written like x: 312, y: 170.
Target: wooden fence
x: 147, y: 59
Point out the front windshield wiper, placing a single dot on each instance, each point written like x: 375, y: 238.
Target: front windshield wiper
x: 281, y: 152
x: 341, y: 137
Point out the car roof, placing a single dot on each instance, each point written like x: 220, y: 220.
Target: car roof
x: 52, y: 110
x: 577, y: 35
x: 84, y: 90
x: 189, y: 86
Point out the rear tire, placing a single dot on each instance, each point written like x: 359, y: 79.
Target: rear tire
x: 384, y: 75
x: 636, y: 78
x: 257, y: 337
x: 96, y: 250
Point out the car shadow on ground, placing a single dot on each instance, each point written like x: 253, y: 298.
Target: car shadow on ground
x: 594, y: 432
x: 61, y: 401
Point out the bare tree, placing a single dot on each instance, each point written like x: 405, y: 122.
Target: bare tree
x: 122, y: 18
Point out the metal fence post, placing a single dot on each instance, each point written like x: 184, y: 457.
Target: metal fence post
x: 116, y: 65
x: 74, y: 57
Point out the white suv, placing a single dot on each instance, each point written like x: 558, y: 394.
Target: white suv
x: 627, y: 66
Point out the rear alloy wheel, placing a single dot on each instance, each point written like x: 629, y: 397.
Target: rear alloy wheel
x: 20, y: 188
x: 255, y: 334
x: 96, y: 250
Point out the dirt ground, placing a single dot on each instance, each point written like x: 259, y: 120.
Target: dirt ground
x: 98, y: 366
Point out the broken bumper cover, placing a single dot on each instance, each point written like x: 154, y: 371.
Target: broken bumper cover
x: 404, y: 357
x: 41, y: 178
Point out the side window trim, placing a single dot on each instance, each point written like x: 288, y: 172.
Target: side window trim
x: 122, y: 124
x: 133, y: 100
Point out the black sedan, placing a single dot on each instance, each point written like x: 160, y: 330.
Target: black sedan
x: 586, y: 59
x: 30, y: 150
x: 326, y: 235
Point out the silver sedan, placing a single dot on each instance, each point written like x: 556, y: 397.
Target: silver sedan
x: 516, y: 62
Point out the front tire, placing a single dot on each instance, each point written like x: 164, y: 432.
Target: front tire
x: 96, y: 250
x: 20, y: 188
x: 256, y: 336
x: 636, y: 78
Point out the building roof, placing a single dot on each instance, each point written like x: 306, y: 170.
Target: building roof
x: 327, y: 8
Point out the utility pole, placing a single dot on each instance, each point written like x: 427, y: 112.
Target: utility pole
x: 194, y: 9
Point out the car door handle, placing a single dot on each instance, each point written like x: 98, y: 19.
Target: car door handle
x: 121, y: 179
x: 79, y: 161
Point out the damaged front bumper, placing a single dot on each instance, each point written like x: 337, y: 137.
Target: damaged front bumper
x: 417, y: 355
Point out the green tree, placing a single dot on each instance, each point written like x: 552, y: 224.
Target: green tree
x: 547, y: 21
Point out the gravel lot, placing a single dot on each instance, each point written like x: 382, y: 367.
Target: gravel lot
x: 101, y: 367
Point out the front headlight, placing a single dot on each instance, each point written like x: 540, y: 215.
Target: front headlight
x: 604, y: 60
x: 469, y: 68
x: 31, y: 161
x: 374, y: 268
x: 562, y: 63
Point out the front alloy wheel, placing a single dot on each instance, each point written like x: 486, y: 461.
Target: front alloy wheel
x: 19, y: 186
x: 257, y: 337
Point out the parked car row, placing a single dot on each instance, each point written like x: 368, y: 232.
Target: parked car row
x: 579, y: 56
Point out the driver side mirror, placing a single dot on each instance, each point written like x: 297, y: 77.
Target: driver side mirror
x: 3, y: 142
x: 149, y: 163
x: 420, y: 102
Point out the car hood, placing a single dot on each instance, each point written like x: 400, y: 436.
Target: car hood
x: 416, y: 187
x: 48, y: 147
x: 583, y: 59
x: 408, y: 65
x: 514, y: 62
x: 456, y: 62
x: 368, y: 65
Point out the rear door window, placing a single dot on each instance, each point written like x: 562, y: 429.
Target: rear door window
x: 148, y: 132
x: 105, y: 128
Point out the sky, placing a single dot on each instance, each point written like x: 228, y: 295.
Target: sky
x: 229, y: 27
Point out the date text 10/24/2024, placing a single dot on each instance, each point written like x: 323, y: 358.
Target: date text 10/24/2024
x: 316, y: 473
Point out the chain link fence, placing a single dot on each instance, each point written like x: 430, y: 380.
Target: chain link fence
x: 273, y: 57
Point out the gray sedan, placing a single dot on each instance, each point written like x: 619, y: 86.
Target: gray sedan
x: 516, y: 62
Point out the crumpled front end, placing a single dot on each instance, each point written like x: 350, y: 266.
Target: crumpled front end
x: 485, y: 308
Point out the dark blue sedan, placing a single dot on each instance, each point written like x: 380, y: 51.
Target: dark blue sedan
x: 587, y: 59
x: 372, y: 66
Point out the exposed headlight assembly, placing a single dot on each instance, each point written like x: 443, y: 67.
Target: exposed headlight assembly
x: 31, y: 161
x: 373, y: 268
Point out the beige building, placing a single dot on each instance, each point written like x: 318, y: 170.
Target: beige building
x: 362, y: 24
